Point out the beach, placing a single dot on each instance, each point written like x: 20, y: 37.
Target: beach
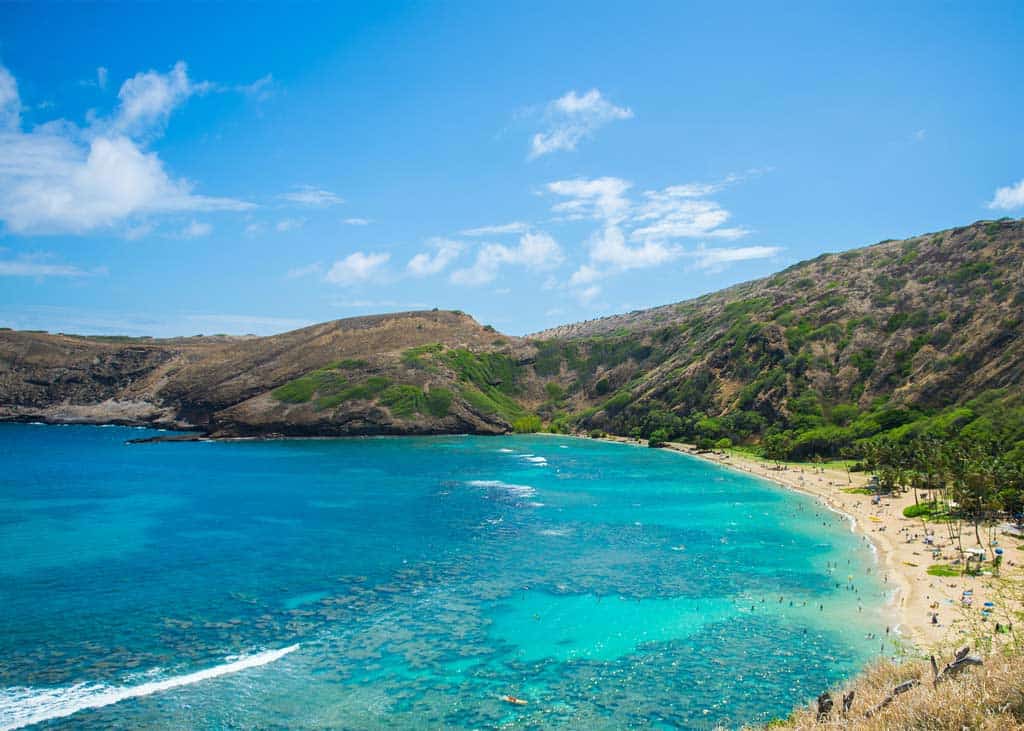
x: 903, y: 557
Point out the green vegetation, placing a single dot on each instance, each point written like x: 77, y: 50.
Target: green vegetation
x: 301, y: 390
x: 527, y: 424
x: 406, y: 401
x: 940, y: 569
x: 489, y: 382
x: 922, y: 510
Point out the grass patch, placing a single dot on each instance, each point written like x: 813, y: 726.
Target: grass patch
x: 857, y: 491
x: 302, y: 389
x: 329, y: 398
x: 941, y: 569
x: 926, y: 511
x: 405, y: 401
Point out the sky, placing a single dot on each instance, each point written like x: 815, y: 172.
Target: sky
x: 180, y: 169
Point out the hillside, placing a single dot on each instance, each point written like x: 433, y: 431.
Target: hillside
x: 820, y: 355
x: 809, y: 361
x: 345, y: 377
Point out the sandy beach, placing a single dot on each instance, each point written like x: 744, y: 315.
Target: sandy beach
x: 903, y: 556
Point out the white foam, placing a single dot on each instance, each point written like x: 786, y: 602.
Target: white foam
x: 518, y: 490
x: 535, y: 460
x: 20, y: 707
x: 506, y: 450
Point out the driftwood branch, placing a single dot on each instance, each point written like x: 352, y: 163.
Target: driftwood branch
x: 898, y: 690
x: 960, y: 662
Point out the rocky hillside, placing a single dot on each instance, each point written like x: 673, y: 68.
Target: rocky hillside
x: 834, y: 349
x: 407, y: 373
x: 808, y: 361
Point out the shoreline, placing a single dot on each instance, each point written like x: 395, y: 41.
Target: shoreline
x: 903, y: 559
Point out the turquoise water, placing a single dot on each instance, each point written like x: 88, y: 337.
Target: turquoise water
x: 410, y: 583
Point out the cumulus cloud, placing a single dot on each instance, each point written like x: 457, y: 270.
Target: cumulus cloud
x: 58, y: 178
x: 535, y: 252
x: 356, y: 267
x: 598, y: 198
x: 571, y: 119
x: 443, y: 252
x: 609, y: 247
x: 1009, y: 197
x: 148, y: 98
x: 307, y: 195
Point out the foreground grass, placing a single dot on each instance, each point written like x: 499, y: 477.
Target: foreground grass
x: 989, y: 697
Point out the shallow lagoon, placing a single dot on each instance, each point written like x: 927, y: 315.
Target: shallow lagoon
x: 421, y: 578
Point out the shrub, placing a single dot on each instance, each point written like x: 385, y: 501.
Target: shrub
x: 527, y: 424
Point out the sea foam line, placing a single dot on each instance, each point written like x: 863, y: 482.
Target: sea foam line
x: 20, y: 707
x: 519, y: 490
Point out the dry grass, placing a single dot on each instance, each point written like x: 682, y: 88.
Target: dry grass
x: 990, y: 697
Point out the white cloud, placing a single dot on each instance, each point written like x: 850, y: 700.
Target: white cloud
x: 919, y: 135
x: 357, y: 221
x: 10, y: 102
x: 586, y: 274
x: 587, y: 295
x: 444, y: 253
x: 50, y: 184
x: 717, y: 259
x: 62, y: 179
x: 572, y: 118
x: 148, y: 98
x: 608, y: 247
x: 1008, y: 197
x: 668, y: 214
x: 196, y: 229
x: 646, y: 234
x: 289, y: 224
x: 308, y: 195
x: 356, y: 267
x: 101, y: 77
x: 516, y: 227
x: 535, y: 251
x: 260, y: 90
x: 39, y: 266
x: 600, y: 198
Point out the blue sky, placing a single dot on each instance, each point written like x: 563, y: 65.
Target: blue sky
x: 180, y: 169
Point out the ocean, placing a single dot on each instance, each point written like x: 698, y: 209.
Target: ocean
x: 414, y: 583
